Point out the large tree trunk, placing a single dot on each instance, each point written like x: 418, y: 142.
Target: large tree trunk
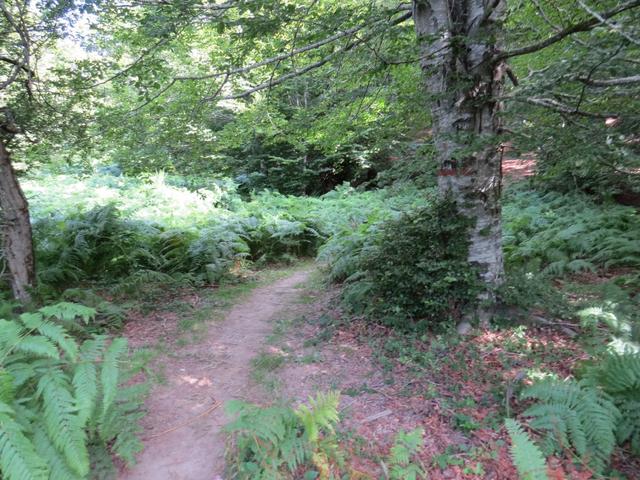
x: 17, y: 241
x: 458, y: 41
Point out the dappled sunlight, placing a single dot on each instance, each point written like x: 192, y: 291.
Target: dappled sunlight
x: 319, y: 239
x: 195, y: 381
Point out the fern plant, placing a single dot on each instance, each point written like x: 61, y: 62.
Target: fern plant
x: 562, y: 234
x: 618, y: 375
x: 400, y: 460
x: 527, y: 457
x: 278, y: 442
x: 574, y: 414
x: 61, y: 408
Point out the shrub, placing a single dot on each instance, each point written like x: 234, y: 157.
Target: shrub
x: 415, y: 274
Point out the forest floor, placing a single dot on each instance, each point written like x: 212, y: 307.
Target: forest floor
x: 457, y: 389
x: 284, y: 338
x: 202, y: 364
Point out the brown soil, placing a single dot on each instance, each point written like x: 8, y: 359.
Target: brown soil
x: 182, y: 430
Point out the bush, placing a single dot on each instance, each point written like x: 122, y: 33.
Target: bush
x: 414, y: 274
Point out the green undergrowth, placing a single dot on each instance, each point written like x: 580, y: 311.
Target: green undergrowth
x: 569, y: 233
x: 129, y: 234
x: 413, y: 272
x: 400, y: 256
x: 304, y: 443
x: 410, y: 270
x: 66, y: 403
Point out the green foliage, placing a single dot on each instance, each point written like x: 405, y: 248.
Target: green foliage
x: 400, y: 460
x: 156, y: 231
x: 413, y: 272
x: 280, y: 442
x: 55, y: 407
x: 532, y: 290
x: 574, y: 415
x: 618, y: 375
x: 527, y: 457
x: 575, y: 152
x: 568, y: 233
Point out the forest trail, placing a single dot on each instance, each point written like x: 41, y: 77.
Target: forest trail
x: 200, y: 379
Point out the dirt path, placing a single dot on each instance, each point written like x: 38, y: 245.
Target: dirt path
x: 203, y: 375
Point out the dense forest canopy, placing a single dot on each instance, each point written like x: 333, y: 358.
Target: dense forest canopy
x: 179, y: 142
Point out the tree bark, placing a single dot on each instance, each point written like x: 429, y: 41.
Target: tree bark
x: 458, y: 40
x: 17, y: 239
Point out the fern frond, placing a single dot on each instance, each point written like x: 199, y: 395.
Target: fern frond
x: 119, y: 427
x: 55, y: 333
x: 10, y: 335
x: 61, y: 420
x: 18, y: 458
x: 58, y: 468
x: 37, y: 345
x: 85, y: 384
x: 405, y: 446
x: 322, y: 412
x: 7, y: 389
x: 575, y: 414
x: 618, y: 374
x: 67, y: 311
x: 91, y: 350
x: 526, y: 456
x: 109, y: 373
x: 21, y: 372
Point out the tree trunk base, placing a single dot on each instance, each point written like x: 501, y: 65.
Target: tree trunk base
x: 17, y: 237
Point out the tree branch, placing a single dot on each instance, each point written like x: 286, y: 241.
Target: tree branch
x: 610, y: 82
x: 278, y: 58
x: 17, y: 64
x: 606, y: 22
x: 575, y: 28
x: 22, y: 64
x: 313, y: 66
x: 562, y: 108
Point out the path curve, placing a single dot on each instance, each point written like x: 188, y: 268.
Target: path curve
x: 202, y: 375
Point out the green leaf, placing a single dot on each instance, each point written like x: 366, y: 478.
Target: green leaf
x: 60, y: 418
x: 85, y: 384
x: 18, y: 457
x: 40, y: 346
x: 527, y: 457
x: 109, y: 373
x: 67, y: 311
